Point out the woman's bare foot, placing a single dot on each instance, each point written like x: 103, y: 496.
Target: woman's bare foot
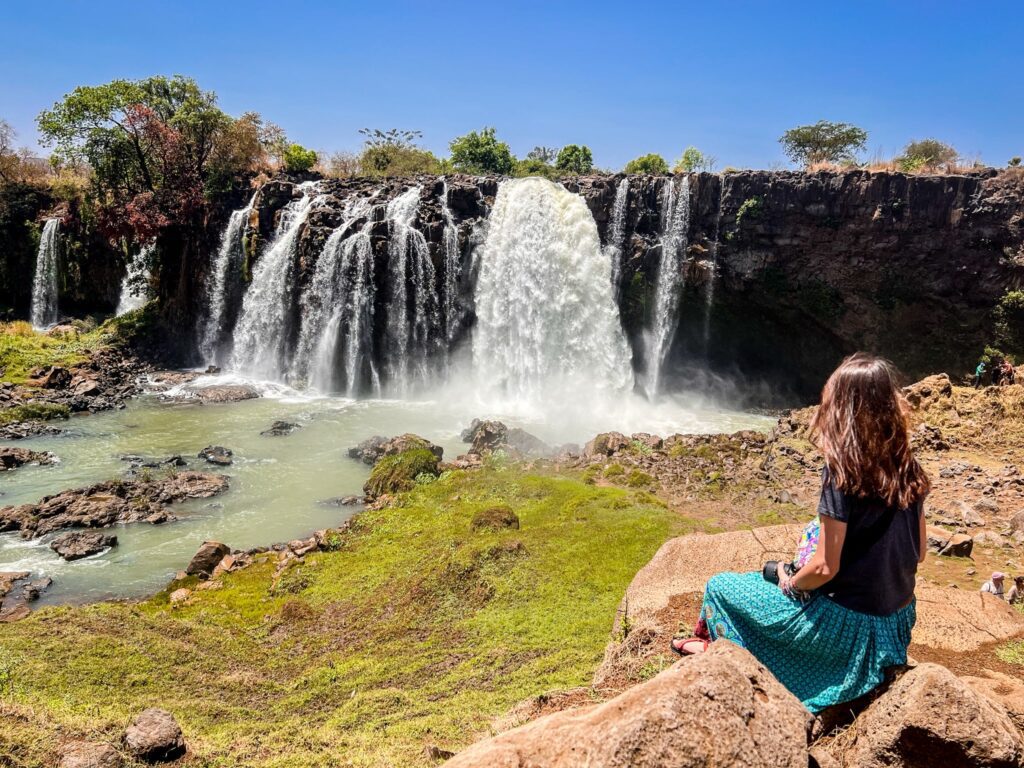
x: 689, y: 646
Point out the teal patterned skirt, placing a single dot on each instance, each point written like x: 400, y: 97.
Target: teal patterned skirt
x: 823, y: 653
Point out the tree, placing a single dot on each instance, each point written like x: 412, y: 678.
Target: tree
x: 693, y: 160
x: 1014, y: 162
x: 823, y: 142
x: 481, y: 153
x: 544, y: 155
x: 652, y: 163
x: 298, y: 159
x: 534, y: 167
x: 394, y: 137
x: 926, y: 154
x: 575, y: 158
x: 394, y: 153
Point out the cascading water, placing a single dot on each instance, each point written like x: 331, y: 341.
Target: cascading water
x: 411, y: 340
x: 452, y: 268
x: 225, y: 264
x: 44, y: 284
x: 337, y: 310
x: 261, y: 335
x: 617, y: 233
x: 133, y: 287
x: 675, y: 222
x: 547, y: 323
x: 709, y: 291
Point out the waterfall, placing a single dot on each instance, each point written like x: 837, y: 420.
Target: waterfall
x: 337, y: 309
x: 411, y: 340
x: 546, y: 316
x: 226, y: 264
x: 134, y: 289
x: 261, y: 335
x: 452, y: 268
x: 44, y: 284
x: 709, y: 291
x: 617, y: 233
x: 675, y: 222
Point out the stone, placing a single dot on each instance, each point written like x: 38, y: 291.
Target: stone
x: 12, y: 458
x: 87, y: 388
x: 155, y: 737
x: 52, y: 377
x: 948, y: 543
x: 226, y: 393
x: 207, y: 558
x: 647, y: 440
x: 179, y: 596
x: 495, y: 519
x: 990, y: 539
x: 1003, y: 690
x: 1017, y: 523
x: 929, y: 392
x: 216, y: 454
x: 930, y: 717
x: 606, y: 444
x: 434, y: 752
x: 75, y: 545
x: 721, y: 708
x: 280, y: 428
x: 86, y: 754
x: 373, y: 449
x: 489, y: 436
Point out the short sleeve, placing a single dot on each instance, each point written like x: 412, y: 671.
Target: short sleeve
x: 833, y: 502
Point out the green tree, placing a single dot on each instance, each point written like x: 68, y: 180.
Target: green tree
x: 1014, y: 162
x: 652, y: 163
x: 481, y: 153
x: 693, y: 160
x: 394, y: 153
x: 575, y: 158
x: 544, y: 155
x: 926, y: 154
x: 823, y: 142
x: 298, y: 159
x: 534, y: 167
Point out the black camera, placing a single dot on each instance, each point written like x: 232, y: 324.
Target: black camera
x: 770, y: 572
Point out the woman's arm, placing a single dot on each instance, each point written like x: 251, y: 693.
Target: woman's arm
x: 924, y: 536
x: 824, y: 564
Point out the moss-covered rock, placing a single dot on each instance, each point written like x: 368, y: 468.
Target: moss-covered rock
x: 397, y: 473
x: 496, y: 518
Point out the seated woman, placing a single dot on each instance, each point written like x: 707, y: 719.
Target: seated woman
x: 829, y: 631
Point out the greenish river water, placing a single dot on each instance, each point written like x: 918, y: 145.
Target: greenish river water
x: 278, y: 484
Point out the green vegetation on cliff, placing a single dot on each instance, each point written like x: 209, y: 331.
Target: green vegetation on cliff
x: 415, y: 631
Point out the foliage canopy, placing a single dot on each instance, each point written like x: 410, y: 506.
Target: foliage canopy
x: 481, y: 152
x: 652, y: 163
x: 823, y: 142
x: 575, y: 158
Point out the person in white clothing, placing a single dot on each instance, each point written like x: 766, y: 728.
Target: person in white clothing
x: 994, y: 586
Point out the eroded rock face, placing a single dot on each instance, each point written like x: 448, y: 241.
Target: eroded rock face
x: 78, y: 544
x: 155, y: 736
x: 721, y: 708
x: 115, y: 501
x: 930, y: 717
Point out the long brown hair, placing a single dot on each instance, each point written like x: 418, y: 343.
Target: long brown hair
x: 863, y: 429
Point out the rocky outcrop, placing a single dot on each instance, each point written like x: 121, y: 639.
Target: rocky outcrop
x: 155, y: 737
x: 721, y: 708
x: 12, y: 458
x: 371, y: 450
x: 17, y: 590
x: 78, y: 544
x: 488, y: 436
x: 280, y: 429
x: 115, y: 501
x: 216, y: 454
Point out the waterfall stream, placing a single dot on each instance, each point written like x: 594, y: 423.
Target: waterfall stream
x: 134, y: 291
x: 547, y: 321
x: 452, y: 267
x: 261, y: 335
x: 675, y: 221
x: 709, y: 291
x: 224, y: 268
x: 617, y: 233
x: 44, y: 284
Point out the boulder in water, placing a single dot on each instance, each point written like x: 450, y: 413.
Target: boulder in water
x: 226, y: 393
x: 216, y: 454
x: 78, y: 544
x: 12, y: 458
x: 375, y: 448
x: 155, y: 737
x: 280, y: 428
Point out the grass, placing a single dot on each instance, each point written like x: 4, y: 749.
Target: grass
x: 34, y: 412
x: 416, y: 631
x: 22, y: 349
x: 1012, y: 652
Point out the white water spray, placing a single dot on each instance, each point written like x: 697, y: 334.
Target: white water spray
x: 134, y: 291
x: 547, y: 324
x: 709, y: 291
x: 225, y: 264
x: 675, y: 223
x: 44, y: 284
x: 617, y: 233
x: 452, y: 268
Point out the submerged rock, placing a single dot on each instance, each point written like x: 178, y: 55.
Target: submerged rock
x: 280, y: 428
x: 216, y: 454
x: 155, y: 736
x: 78, y: 544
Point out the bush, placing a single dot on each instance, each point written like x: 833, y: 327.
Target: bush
x: 693, y: 160
x: 390, y: 160
x: 534, y: 167
x: 926, y: 155
x: 298, y: 159
x: 481, y: 153
x: 1009, y: 321
x: 652, y: 163
x: 34, y: 412
x: 823, y: 142
x: 639, y: 479
x: 397, y: 473
x: 1014, y: 162
x: 575, y: 158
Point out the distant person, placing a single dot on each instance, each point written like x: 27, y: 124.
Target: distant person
x: 997, y: 372
x: 979, y: 374
x: 1009, y: 374
x: 994, y: 586
x: 830, y: 630
x: 1016, y: 593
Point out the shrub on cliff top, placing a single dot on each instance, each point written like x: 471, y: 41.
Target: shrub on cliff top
x: 298, y: 159
x: 693, y: 160
x: 652, y: 163
x: 534, y: 167
x: 575, y: 158
x: 397, y: 473
x: 481, y: 153
x: 926, y: 155
x: 823, y: 142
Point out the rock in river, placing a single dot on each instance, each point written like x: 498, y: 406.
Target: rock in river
x: 12, y: 458
x: 216, y: 454
x: 279, y: 428
x: 78, y: 544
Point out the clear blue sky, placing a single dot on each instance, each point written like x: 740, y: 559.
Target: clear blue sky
x: 625, y: 78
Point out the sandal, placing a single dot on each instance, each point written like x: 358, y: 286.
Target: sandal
x: 681, y: 648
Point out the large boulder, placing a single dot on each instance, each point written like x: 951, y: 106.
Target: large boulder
x: 75, y: 545
x: 721, y: 708
x: 1003, y: 690
x: 86, y: 754
x: 930, y: 717
x: 155, y: 736
x: 398, y: 472
x: 207, y: 558
x: 606, y: 444
x: 489, y: 436
x: 949, y: 543
x: 216, y: 454
x: 373, y: 449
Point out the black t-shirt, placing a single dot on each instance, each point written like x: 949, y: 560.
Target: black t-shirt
x: 878, y: 565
